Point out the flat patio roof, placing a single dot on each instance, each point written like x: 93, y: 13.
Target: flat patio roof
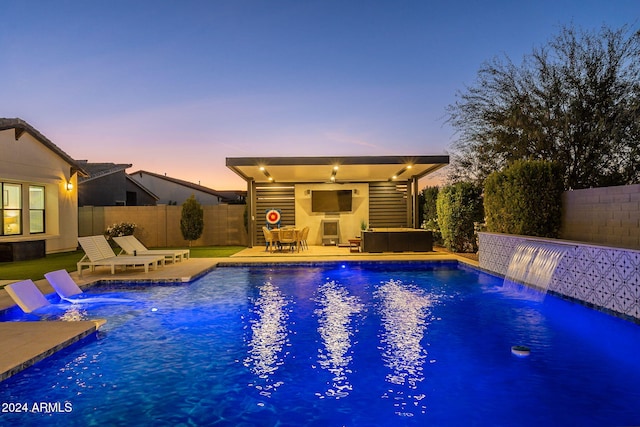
x: 335, y: 169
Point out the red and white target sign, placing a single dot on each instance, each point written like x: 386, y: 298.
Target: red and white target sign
x: 273, y: 216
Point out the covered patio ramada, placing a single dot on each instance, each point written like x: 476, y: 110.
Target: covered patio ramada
x: 346, y: 193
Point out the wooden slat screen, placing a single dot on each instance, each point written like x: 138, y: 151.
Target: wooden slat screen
x: 274, y: 196
x: 388, y: 204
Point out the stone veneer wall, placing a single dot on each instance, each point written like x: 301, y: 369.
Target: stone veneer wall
x: 601, y: 277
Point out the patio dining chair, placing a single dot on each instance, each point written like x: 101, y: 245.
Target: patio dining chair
x: 304, y: 234
x: 268, y: 237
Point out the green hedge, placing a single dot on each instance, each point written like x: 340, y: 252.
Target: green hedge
x: 525, y: 199
x: 429, y: 198
x: 459, y: 206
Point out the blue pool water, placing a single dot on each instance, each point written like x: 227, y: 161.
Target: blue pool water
x: 336, y: 345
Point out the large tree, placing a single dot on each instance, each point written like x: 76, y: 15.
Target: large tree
x: 575, y: 101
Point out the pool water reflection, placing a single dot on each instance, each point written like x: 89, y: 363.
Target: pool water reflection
x: 353, y: 344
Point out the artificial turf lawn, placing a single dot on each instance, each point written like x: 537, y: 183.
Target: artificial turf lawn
x: 35, y: 269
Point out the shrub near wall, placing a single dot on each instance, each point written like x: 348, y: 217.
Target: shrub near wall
x: 429, y: 197
x: 459, y: 206
x: 525, y: 199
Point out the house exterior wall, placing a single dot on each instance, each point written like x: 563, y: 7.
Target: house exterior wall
x: 349, y: 222
x: 114, y: 189
x: 170, y: 192
x: 142, y: 198
x: 28, y: 162
x: 108, y: 190
x: 159, y: 226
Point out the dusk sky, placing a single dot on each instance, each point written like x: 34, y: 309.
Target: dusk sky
x: 175, y: 87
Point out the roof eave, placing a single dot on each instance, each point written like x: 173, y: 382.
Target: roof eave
x: 20, y: 127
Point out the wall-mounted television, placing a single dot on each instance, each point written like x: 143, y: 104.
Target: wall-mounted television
x: 331, y: 200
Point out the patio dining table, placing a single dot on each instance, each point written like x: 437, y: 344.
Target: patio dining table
x: 276, y: 233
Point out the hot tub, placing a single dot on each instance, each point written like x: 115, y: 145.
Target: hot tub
x: 397, y: 240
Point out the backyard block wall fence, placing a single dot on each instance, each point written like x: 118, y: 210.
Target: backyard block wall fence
x: 159, y: 226
x: 601, y: 267
x: 608, y: 215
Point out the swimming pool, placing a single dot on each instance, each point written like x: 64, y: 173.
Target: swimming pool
x: 338, y: 344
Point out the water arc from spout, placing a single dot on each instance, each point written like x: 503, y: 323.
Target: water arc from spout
x: 533, y: 264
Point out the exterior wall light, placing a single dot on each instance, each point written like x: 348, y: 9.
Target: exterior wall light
x: 333, y: 173
x: 400, y: 172
x: 266, y: 173
x: 69, y: 186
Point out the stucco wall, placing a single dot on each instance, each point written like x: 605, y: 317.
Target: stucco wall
x: 349, y: 221
x: 28, y: 162
x: 609, y: 216
x: 159, y: 226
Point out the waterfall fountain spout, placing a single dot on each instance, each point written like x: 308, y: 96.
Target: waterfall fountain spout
x: 533, y: 264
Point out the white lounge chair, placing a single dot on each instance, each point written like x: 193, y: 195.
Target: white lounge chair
x: 132, y: 246
x: 62, y: 283
x: 27, y: 295
x: 66, y: 288
x: 98, y: 253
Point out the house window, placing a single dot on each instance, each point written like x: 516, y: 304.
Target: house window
x: 11, y: 209
x: 36, y: 209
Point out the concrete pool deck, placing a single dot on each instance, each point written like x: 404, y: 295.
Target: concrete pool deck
x: 26, y: 343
